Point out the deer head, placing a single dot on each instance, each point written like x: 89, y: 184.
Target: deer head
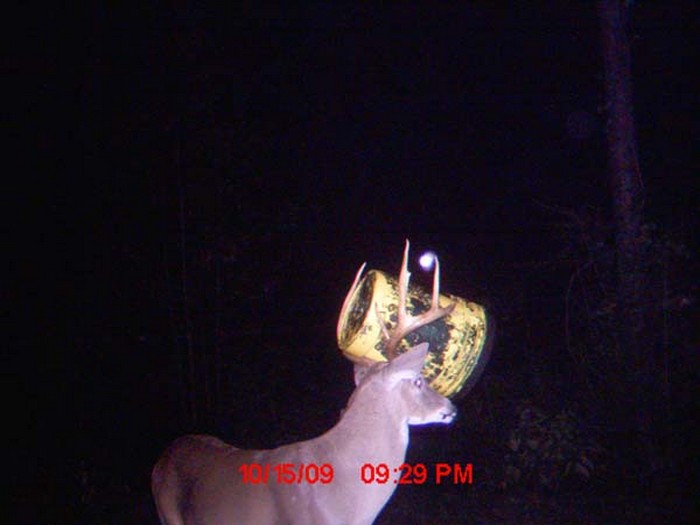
x: 202, y: 480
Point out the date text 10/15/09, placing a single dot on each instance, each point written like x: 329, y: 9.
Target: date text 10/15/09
x: 404, y: 474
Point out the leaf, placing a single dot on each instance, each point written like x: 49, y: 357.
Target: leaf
x: 583, y: 471
x: 513, y: 443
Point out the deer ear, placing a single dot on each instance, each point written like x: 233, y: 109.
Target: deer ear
x: 420, y: 348
x: 360, y: 373
x: 409, y: 364
x: 413, y: 358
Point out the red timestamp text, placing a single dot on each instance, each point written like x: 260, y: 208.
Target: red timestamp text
x: 418, y: 474
x: 286, y: 473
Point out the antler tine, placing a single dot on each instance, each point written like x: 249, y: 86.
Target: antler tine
x: 346, y: 302
x: 408, y: 323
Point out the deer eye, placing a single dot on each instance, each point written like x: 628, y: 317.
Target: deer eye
x: 418, y: 382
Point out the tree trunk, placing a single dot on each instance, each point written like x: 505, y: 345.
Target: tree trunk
x: 628, y: 202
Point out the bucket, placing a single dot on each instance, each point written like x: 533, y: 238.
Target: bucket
x: 458, y: 342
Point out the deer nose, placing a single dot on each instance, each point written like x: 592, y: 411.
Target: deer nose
x: 449, y: 416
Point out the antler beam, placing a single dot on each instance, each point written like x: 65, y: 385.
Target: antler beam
x: 408, y: 323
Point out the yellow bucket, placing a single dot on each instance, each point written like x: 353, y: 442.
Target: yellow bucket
x: 458, y: 342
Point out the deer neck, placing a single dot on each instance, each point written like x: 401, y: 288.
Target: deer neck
x: 374, y: 431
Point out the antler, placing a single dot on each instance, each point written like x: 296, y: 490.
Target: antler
x: 408, y: 323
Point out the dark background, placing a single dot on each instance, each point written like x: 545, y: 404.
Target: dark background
x: 267, y: 152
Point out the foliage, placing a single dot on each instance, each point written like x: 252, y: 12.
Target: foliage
x: 543, y: 451
x: 629, y: 389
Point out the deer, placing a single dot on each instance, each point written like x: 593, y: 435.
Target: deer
x: 198, y: 480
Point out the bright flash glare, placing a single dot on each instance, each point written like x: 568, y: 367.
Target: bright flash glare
x: 427, y: 261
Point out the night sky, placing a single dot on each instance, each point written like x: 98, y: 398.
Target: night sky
x: 274, y: 150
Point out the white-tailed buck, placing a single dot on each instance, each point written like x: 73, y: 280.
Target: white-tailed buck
x: 200, y: 480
